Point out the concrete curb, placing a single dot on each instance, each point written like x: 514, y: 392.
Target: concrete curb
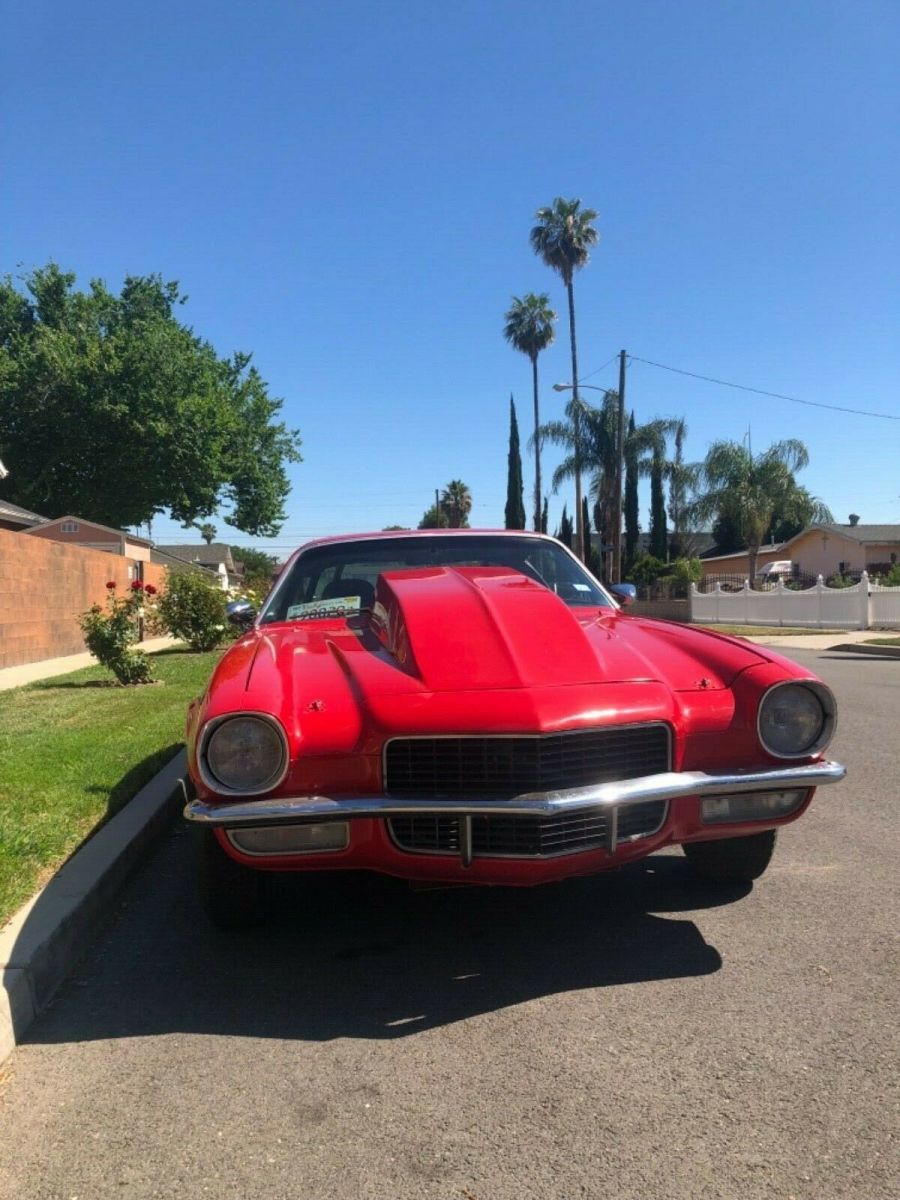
x: 866, y: 648
x: 47, y: 937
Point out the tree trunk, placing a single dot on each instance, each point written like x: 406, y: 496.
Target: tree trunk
x: 579, y: 528
x: 537, y: 448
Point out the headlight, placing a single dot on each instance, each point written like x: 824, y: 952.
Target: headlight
x: 244, y: 754
x: 796, y: 720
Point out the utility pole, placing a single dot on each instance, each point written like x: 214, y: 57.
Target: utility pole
x: 620, y: 460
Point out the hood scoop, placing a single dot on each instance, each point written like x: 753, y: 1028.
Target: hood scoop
x: 471, y: 628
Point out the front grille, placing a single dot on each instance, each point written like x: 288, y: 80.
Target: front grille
x: 503, y: 767
x: 526, y: 837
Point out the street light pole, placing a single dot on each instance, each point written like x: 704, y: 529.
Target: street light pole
x: 620, y: 462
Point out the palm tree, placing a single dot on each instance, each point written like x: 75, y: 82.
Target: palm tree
x: 562, y: 238
x: 208, y: 532
x: 456, y: 502
x: 529, y: 329
x: 752, y: 491
x: 588, y: 434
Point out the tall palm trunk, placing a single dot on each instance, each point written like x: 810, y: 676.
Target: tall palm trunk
x: 579, y: 524
x: 537, y: 448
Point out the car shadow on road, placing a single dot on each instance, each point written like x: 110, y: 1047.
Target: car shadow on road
x: 362, y: 956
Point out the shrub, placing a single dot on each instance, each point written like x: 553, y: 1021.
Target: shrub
x: 840, y: 581
x: 685, y: 570
x: 647, y: 569
x: 892, y: 578
x: 193, y: 609
x: 109, y: 635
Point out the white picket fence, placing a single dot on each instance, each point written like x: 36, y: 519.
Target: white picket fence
x: 866, y: 605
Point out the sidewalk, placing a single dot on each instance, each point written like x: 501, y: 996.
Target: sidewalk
x: 13, y: 677
x: 821, y: 641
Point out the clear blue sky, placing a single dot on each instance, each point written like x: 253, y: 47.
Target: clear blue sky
x: 346, y: 190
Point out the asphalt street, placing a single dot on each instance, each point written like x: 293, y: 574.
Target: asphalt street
x: 634, y: 1035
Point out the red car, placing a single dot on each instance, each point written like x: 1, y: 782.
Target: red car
x: 460, y: 706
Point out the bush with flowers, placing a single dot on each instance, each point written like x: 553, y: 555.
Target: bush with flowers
x: 110, y: 633
x: 193, y: 609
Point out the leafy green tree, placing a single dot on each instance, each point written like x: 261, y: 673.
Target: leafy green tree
x: 529, y: 329
x: 259, y: 568
x: 435, y: 518
x: 113, y: 409
x: 515, y: 504
x: 749, y: 491
x: 456, y: 501
x: 562, y: 238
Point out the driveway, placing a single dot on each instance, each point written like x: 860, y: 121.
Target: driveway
x: 634, y: 1035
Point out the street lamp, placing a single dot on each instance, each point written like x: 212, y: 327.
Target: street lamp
x: 616, y: 566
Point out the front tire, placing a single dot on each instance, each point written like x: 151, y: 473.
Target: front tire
x: 233, y: 896
x: 732, y: 860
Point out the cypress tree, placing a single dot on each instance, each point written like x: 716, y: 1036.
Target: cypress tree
x: 564, y: 533
x: 659, y: 533
x: 515, y: 504
x: 545, y: 515
x: 632, y: 522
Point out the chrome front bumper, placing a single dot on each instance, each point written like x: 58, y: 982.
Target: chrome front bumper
x: 670, y: 785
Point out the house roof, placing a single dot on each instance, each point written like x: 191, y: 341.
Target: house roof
x: 13, y: 512
x: 206, y: 556
x: 765, y: 549
x: 131, y: 537
x: 162, y: 559
x: 865, y: 534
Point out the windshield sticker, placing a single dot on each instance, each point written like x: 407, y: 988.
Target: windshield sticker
x: 581, y: 587
x: 317, y: 610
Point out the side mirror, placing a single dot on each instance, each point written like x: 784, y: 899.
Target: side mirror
x: 625, y: 593
x: 240, y: 613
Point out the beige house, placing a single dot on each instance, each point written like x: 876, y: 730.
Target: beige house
x: 827, y: 549
x: 90, y: 535
x: 739, y: 562
x: 835, y: 549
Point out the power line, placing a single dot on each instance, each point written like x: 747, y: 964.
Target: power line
x: 599, y: 369
x: 859, y: 412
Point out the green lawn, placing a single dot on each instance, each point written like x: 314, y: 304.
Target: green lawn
x: 763, y: 630
x: 73, y: 750
x: 882, y: 641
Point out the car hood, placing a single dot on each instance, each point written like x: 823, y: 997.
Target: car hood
x: 470, y: 648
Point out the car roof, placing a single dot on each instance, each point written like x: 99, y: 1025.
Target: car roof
x: 336, y: 538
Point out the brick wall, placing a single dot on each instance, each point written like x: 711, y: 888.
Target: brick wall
x: 44, y: 585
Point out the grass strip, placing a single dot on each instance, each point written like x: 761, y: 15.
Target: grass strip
x: 73, y: 750
x: 765, y: 630
x: 882, y: 641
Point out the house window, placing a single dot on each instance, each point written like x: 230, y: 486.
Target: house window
x: 69, y: 527
x: 893, y: 558
x: 842, y: 567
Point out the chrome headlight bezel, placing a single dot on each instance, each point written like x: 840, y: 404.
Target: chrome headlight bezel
x: 827, y: 704
x: 208, y: 775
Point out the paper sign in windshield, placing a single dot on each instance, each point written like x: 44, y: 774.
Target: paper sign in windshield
x: 317, y: 610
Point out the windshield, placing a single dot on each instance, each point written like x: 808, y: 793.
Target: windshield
x: 339, y: 579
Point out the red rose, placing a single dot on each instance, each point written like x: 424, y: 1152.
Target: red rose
x: 150, y: 589
x: 137, y: 586
x: 111, y: 584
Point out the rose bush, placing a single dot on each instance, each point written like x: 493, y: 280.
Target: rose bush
x: 110, y: 634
